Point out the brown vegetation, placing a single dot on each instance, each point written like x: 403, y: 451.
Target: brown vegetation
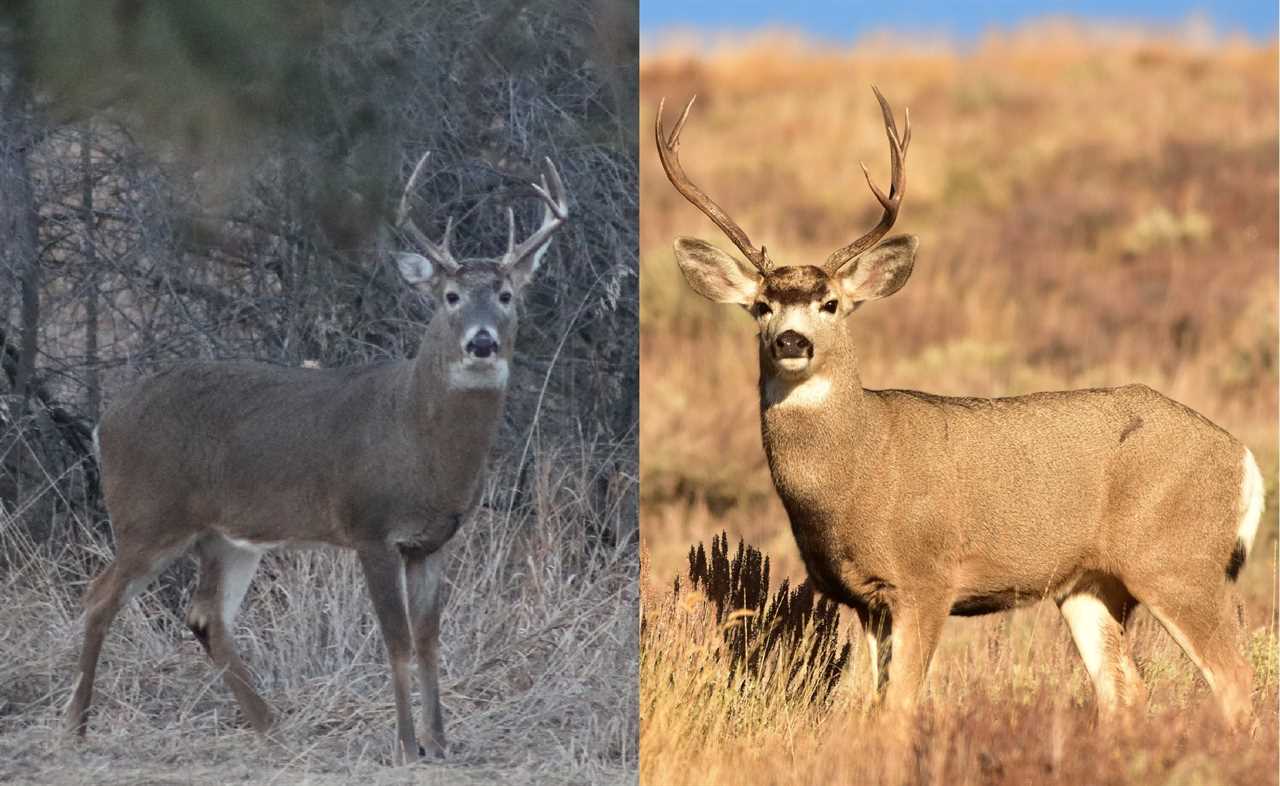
x: 1092, y: 211
x: 538, y: 628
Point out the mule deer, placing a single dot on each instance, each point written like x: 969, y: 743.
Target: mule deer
x: 231, y: 459
x: 911, y: 507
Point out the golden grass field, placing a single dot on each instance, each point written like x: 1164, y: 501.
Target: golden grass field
x: 1093, y: 210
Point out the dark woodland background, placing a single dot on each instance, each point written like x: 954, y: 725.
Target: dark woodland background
x: 213, y: 180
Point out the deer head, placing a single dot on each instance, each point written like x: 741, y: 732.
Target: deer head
x: 798, y: 309
x: 474, y: 326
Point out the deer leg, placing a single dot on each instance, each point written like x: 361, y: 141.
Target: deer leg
x: 117, y: 585
x: 424, y: 582
x: 877, y: 629
x: 917, y: 625
x: 1097, y: 612
x: 225, y: 573
x: 1206, y: 624
x: 384, y: 575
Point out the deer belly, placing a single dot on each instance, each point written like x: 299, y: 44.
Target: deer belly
x: 991, y: 601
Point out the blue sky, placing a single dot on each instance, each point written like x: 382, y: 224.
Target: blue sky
x: 841, y: 20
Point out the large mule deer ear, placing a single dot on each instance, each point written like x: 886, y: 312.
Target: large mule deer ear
x: 715, y: 275
x: 879, y: 271
x: 415, y: 268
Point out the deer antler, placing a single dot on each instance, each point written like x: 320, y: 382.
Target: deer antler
x: 890, y: 203
x: 669, y: 152
x: 438, y: 253
x: 555, y: 213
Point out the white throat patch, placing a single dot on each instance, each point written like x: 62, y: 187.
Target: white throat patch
x: 809, y: 392
x: 478, y: 374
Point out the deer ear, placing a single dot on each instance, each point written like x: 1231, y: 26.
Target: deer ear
x: 881, y: 270
x: 415, y: 268
x: 715, y: 275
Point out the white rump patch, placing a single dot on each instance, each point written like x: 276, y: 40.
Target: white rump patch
x: 1252, y: 500
x: 810, y: 392
x: 478, y: 375
x: 1087, y: 617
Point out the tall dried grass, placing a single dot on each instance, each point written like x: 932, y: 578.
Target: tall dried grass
x: 1006, y: 704
x: 538, y: 648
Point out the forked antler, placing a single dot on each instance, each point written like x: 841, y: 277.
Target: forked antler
x: 890, y: 203
x: 669, y: 152
x: 438, y: 253
x: 555, y: 213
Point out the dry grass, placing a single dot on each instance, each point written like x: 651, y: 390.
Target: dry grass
x: 1092, y: 211
x: 1007, y: 703
x: 538, y: 647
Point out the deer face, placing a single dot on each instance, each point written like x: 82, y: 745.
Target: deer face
x: 476, y: 319
x: 474, y: 327
x: 798, y: 310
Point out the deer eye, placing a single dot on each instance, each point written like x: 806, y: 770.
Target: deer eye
x: 830, y: 306
x: 505, y: 297
x: 761, y: 309
x: 451, y: 298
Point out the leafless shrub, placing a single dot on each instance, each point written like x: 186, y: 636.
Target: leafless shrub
x: 790, y: 633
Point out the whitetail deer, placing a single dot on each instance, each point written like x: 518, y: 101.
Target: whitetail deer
x: 911, y: 507
x: 231, y: 459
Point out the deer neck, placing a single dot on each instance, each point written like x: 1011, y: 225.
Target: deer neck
x: 454, y: 419
x: 815, y: 430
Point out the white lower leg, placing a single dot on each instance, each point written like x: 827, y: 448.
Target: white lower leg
x: 1095, y: 632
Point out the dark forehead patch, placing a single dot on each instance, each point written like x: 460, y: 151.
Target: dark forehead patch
x: 479, y: 272
x: 793, y: 285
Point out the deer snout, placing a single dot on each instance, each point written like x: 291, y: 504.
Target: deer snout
x: 482, y: 344
x: 790, y: 344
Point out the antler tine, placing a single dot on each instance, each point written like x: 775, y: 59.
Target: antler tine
x: 511, y: 231
x: 446, y: 240
x: 402, y: 211
x: 669, y: 153
x: 553, y: 196
x: 439, y: 253
x: 897, y: 186
x: 555, y: 212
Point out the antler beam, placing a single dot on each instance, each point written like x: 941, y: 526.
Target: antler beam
x: 436, y: 252
x: 555, y: 213
x: 890, y: 203
x: 669, y: 152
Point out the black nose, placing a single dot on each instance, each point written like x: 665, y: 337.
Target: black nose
x: 790, y: 344
x: 482, y: 344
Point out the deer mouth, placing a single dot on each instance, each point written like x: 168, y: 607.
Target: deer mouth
x: 792, y: 366
x: 473, y: 373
